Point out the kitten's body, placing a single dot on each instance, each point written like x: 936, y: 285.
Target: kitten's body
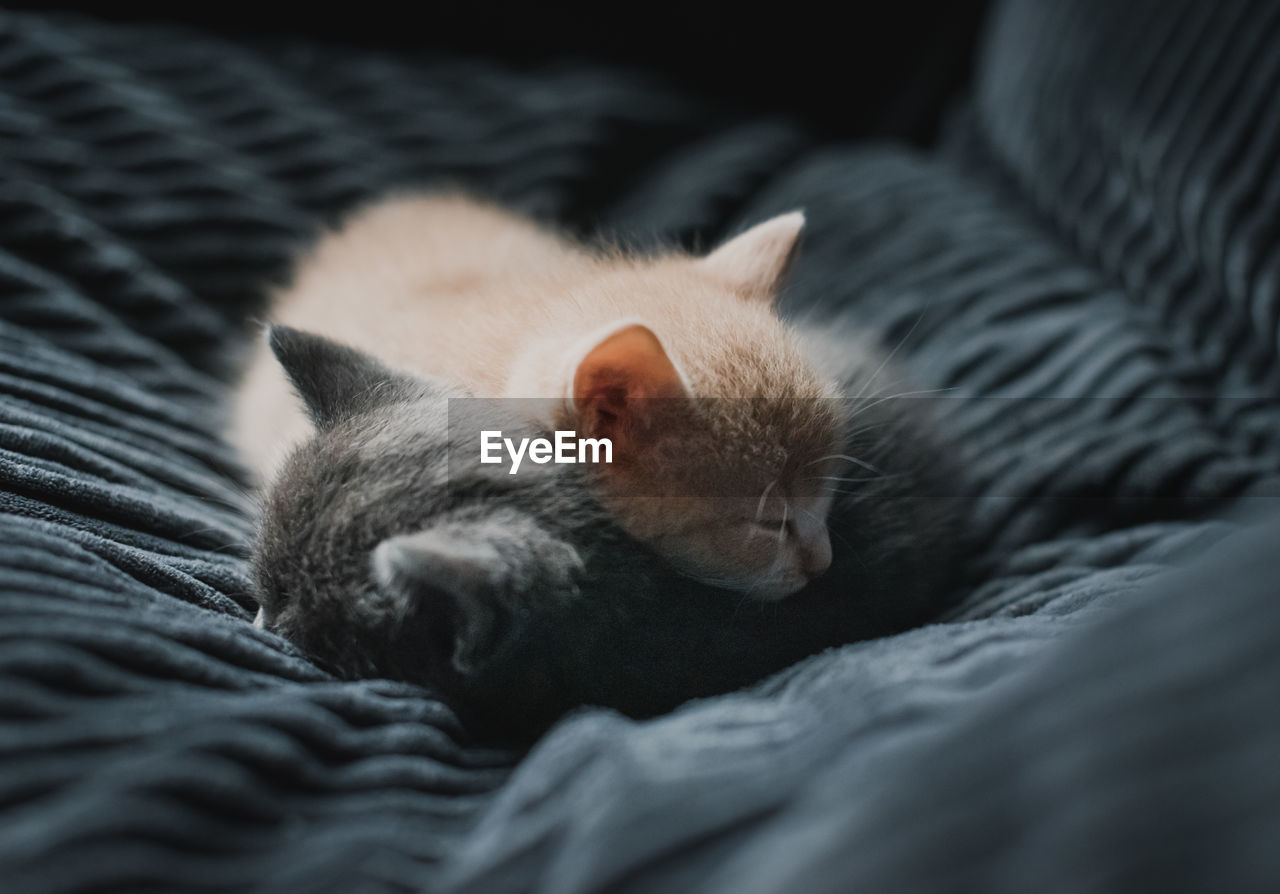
x: 453, y: 288
x: 518, y: 598
x: 449, y: 287
x: 433, y: 286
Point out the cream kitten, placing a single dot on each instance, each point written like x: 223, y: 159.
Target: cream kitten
x: 724, y: 435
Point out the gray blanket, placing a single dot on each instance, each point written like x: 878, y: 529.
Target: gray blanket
x: 1087, y: 272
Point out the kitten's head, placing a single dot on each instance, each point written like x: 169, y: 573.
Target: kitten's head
x: 724, y: 436
x: 377, y: 556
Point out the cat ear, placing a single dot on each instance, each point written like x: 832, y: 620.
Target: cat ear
x: 756, y: 261
x: 433, y: 564
x: 333, y: 380
x: 616, y: 379
x: 488, y: 576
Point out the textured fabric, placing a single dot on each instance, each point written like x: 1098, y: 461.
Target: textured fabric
x: 1086, y: 274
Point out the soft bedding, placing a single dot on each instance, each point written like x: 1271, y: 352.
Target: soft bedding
x: 1086, y: 276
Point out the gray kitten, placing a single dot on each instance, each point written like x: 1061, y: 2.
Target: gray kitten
x: 517, y: 598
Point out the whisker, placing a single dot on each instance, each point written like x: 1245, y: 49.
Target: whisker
x: 857, y: 462
x: 877, y: 401
x: 844, y: 492
x: 842, y: 539
x: 836, y: 534
x: 764, y: 496
x: 862, y: 480
x: 847, y: 479
x: 889, y: 357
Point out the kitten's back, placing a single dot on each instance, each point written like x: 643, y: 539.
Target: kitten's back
x: 410, y: 279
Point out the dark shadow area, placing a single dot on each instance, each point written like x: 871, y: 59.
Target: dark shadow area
x: 847, y: 70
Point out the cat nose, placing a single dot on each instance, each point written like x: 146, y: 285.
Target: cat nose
x: 815, y: 553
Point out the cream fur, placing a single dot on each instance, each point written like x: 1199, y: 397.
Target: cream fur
x: 448, y: 286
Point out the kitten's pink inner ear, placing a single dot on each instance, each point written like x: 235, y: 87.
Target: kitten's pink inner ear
x: 615, y: 379
x: 756, y: 262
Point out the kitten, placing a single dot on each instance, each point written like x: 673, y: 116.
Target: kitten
x: 517, y: 598
x: 724, y: 436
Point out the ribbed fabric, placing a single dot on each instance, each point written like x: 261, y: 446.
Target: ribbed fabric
x: 1152, y: 146
x: 1085, y: 280
x: 1141, y: 757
